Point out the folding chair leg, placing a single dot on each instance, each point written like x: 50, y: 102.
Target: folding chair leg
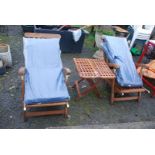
x: 94, y: 87
x: 24, y: 115
x: 139, y: 97
x: 66, y: 111
x: 79, y: 81
x: 24, y: 112
x: 112, y: 91
x: 78, y: 89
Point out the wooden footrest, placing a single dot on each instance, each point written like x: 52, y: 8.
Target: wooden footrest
x: 119, y: 89
x: 44, y: 113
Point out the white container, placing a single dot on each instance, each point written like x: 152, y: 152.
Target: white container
x: 98, y: 40
x: 5, y: 54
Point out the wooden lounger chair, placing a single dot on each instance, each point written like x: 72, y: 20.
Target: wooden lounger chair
x: 127, y: 79
x: 43, y: 70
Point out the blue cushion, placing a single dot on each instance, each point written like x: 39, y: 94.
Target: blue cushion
x: 44, y: 78
x: 117, y: 50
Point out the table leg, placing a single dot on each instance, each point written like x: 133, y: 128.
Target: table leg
x: 94, y: 87
x: 76, y: 86
x: 78, y: 82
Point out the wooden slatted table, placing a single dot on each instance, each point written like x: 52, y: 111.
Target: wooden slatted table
x: 92, y: 71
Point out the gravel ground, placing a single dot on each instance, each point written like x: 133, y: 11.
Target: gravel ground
x: 129, y: 125
x: 87, y: 111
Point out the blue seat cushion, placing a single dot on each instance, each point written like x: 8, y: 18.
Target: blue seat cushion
x: 44, y: 78
x: 117, y: 51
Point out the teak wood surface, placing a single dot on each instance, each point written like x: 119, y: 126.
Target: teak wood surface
x: 95, y: 70
x: 92, y: 71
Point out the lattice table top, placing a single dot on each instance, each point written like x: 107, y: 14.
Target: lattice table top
x: 93, y: 68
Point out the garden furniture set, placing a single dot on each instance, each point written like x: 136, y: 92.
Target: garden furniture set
x: 43, y: 78
x: 43, y: 81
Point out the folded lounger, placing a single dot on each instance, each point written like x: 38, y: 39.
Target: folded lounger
x: 44, y: 79
x: 128, y: 80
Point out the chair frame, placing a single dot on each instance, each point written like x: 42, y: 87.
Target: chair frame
x: 123, y: 90
x: 148, y: 83
x: 27, y: 107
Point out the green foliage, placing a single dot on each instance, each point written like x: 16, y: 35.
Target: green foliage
x: 108, y: 32
x: 4, y: 39
x: 89, y: 42
x: 90, y: 38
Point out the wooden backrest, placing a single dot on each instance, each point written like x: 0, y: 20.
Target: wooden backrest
x: 41, y: 35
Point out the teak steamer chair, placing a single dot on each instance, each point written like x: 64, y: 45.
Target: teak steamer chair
x: 115, y: 63
x: 60, y: 102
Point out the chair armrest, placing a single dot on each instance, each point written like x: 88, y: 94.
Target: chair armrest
x: 142, y: 65
x: 67, y: 73
x: 146, y: 66
x: 21, y: 72
x: 113, y: 66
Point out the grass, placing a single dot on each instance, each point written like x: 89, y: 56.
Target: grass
x: 90, y: 38
x: 89, y: 42
x: 4, y: 39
